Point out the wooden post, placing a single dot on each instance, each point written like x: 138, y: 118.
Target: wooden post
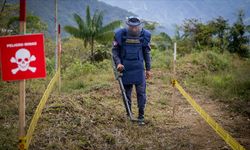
x: 22, y: 108
x: 59, y: 56
x: 174, y: 78
x: 174, y: 59
x: 56, y: 37
x: 22, y: 92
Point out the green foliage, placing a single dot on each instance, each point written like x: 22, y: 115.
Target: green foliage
x: 220, y: 28
x: 73, y: 48
x: 177, y: 36
x: 78, y: 68
x: 7, y: 11
x: 202, y: 63
x: 197, y: 32
x: 33, y: 25
x: 86, y: 76
x: 225, y: 76
x: 109, y: 138
x: 248, y: 28
x: 91, y: 29
x: 102, y: 52
x: 50, y: 66
x: 162, y: 41
x: 185, y: 46
x: 231, y: 87
x: 150, y: 25
x: 160, y: 59
x: 217, y: 33
x: 237, y: 39
x: 9, y: 20
x: 216, y: 62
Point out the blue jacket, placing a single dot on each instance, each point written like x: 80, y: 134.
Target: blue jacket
x: 132, y: 53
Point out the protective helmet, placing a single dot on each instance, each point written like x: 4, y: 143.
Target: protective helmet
x: 133, y: 21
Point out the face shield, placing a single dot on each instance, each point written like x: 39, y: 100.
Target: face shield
x: 133, y: 26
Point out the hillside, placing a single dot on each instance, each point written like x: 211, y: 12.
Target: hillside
x: 89, y: 113
x: 45, y: 10
x: 169, y: 13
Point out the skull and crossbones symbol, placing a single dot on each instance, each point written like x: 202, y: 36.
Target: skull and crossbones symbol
x: 22, y: 59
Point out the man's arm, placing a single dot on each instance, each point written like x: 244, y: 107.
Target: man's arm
x: 147, y: 49
x: 116, y: 52
x: 147, y: 57
x: 147, y: 54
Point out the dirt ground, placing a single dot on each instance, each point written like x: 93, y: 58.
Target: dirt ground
x: 95, y: 119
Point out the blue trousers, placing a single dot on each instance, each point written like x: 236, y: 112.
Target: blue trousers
x: 140, y: 93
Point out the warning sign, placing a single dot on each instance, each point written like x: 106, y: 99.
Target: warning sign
x: 22, y: 57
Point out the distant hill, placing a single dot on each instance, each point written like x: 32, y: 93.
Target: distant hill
x: 171, y: 12
x: 166, y: 12
x: 45, y: 10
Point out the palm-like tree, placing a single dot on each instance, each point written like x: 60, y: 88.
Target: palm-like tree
x: 91, y: 29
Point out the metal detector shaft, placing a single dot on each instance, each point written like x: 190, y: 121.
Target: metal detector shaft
x: 118, y: 77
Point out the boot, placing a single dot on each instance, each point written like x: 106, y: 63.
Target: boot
x: 141, y: 117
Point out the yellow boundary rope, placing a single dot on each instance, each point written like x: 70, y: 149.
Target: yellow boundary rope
x: 217, y: 128
x: 24, y: 142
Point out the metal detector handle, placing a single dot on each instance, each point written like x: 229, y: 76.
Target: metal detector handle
x: 118, y: 76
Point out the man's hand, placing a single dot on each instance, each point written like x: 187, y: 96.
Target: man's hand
x: 120, y: 67
x: 148, y: 74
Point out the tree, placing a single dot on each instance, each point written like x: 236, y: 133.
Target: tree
x: 220, y: 28
x: 91, y: 29
x: 198, y: 32
x: 162, y: 41
x: 150, y: 25
x: 248, y: 28
x: 33, y: 24
x: 2, y: 9
x: 177, y: 36
x: 237, y: 39
x: 9, y: 20
x: 7, y: 11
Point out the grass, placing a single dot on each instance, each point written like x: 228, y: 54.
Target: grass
x: 9, y: 108
x: 89, y: 114
x: 226, y: 76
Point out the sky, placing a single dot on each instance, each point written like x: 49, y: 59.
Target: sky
x: 171, y: 12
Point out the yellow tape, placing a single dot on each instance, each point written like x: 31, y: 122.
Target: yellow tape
x: 217, y: 128
x: 39, y: 108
